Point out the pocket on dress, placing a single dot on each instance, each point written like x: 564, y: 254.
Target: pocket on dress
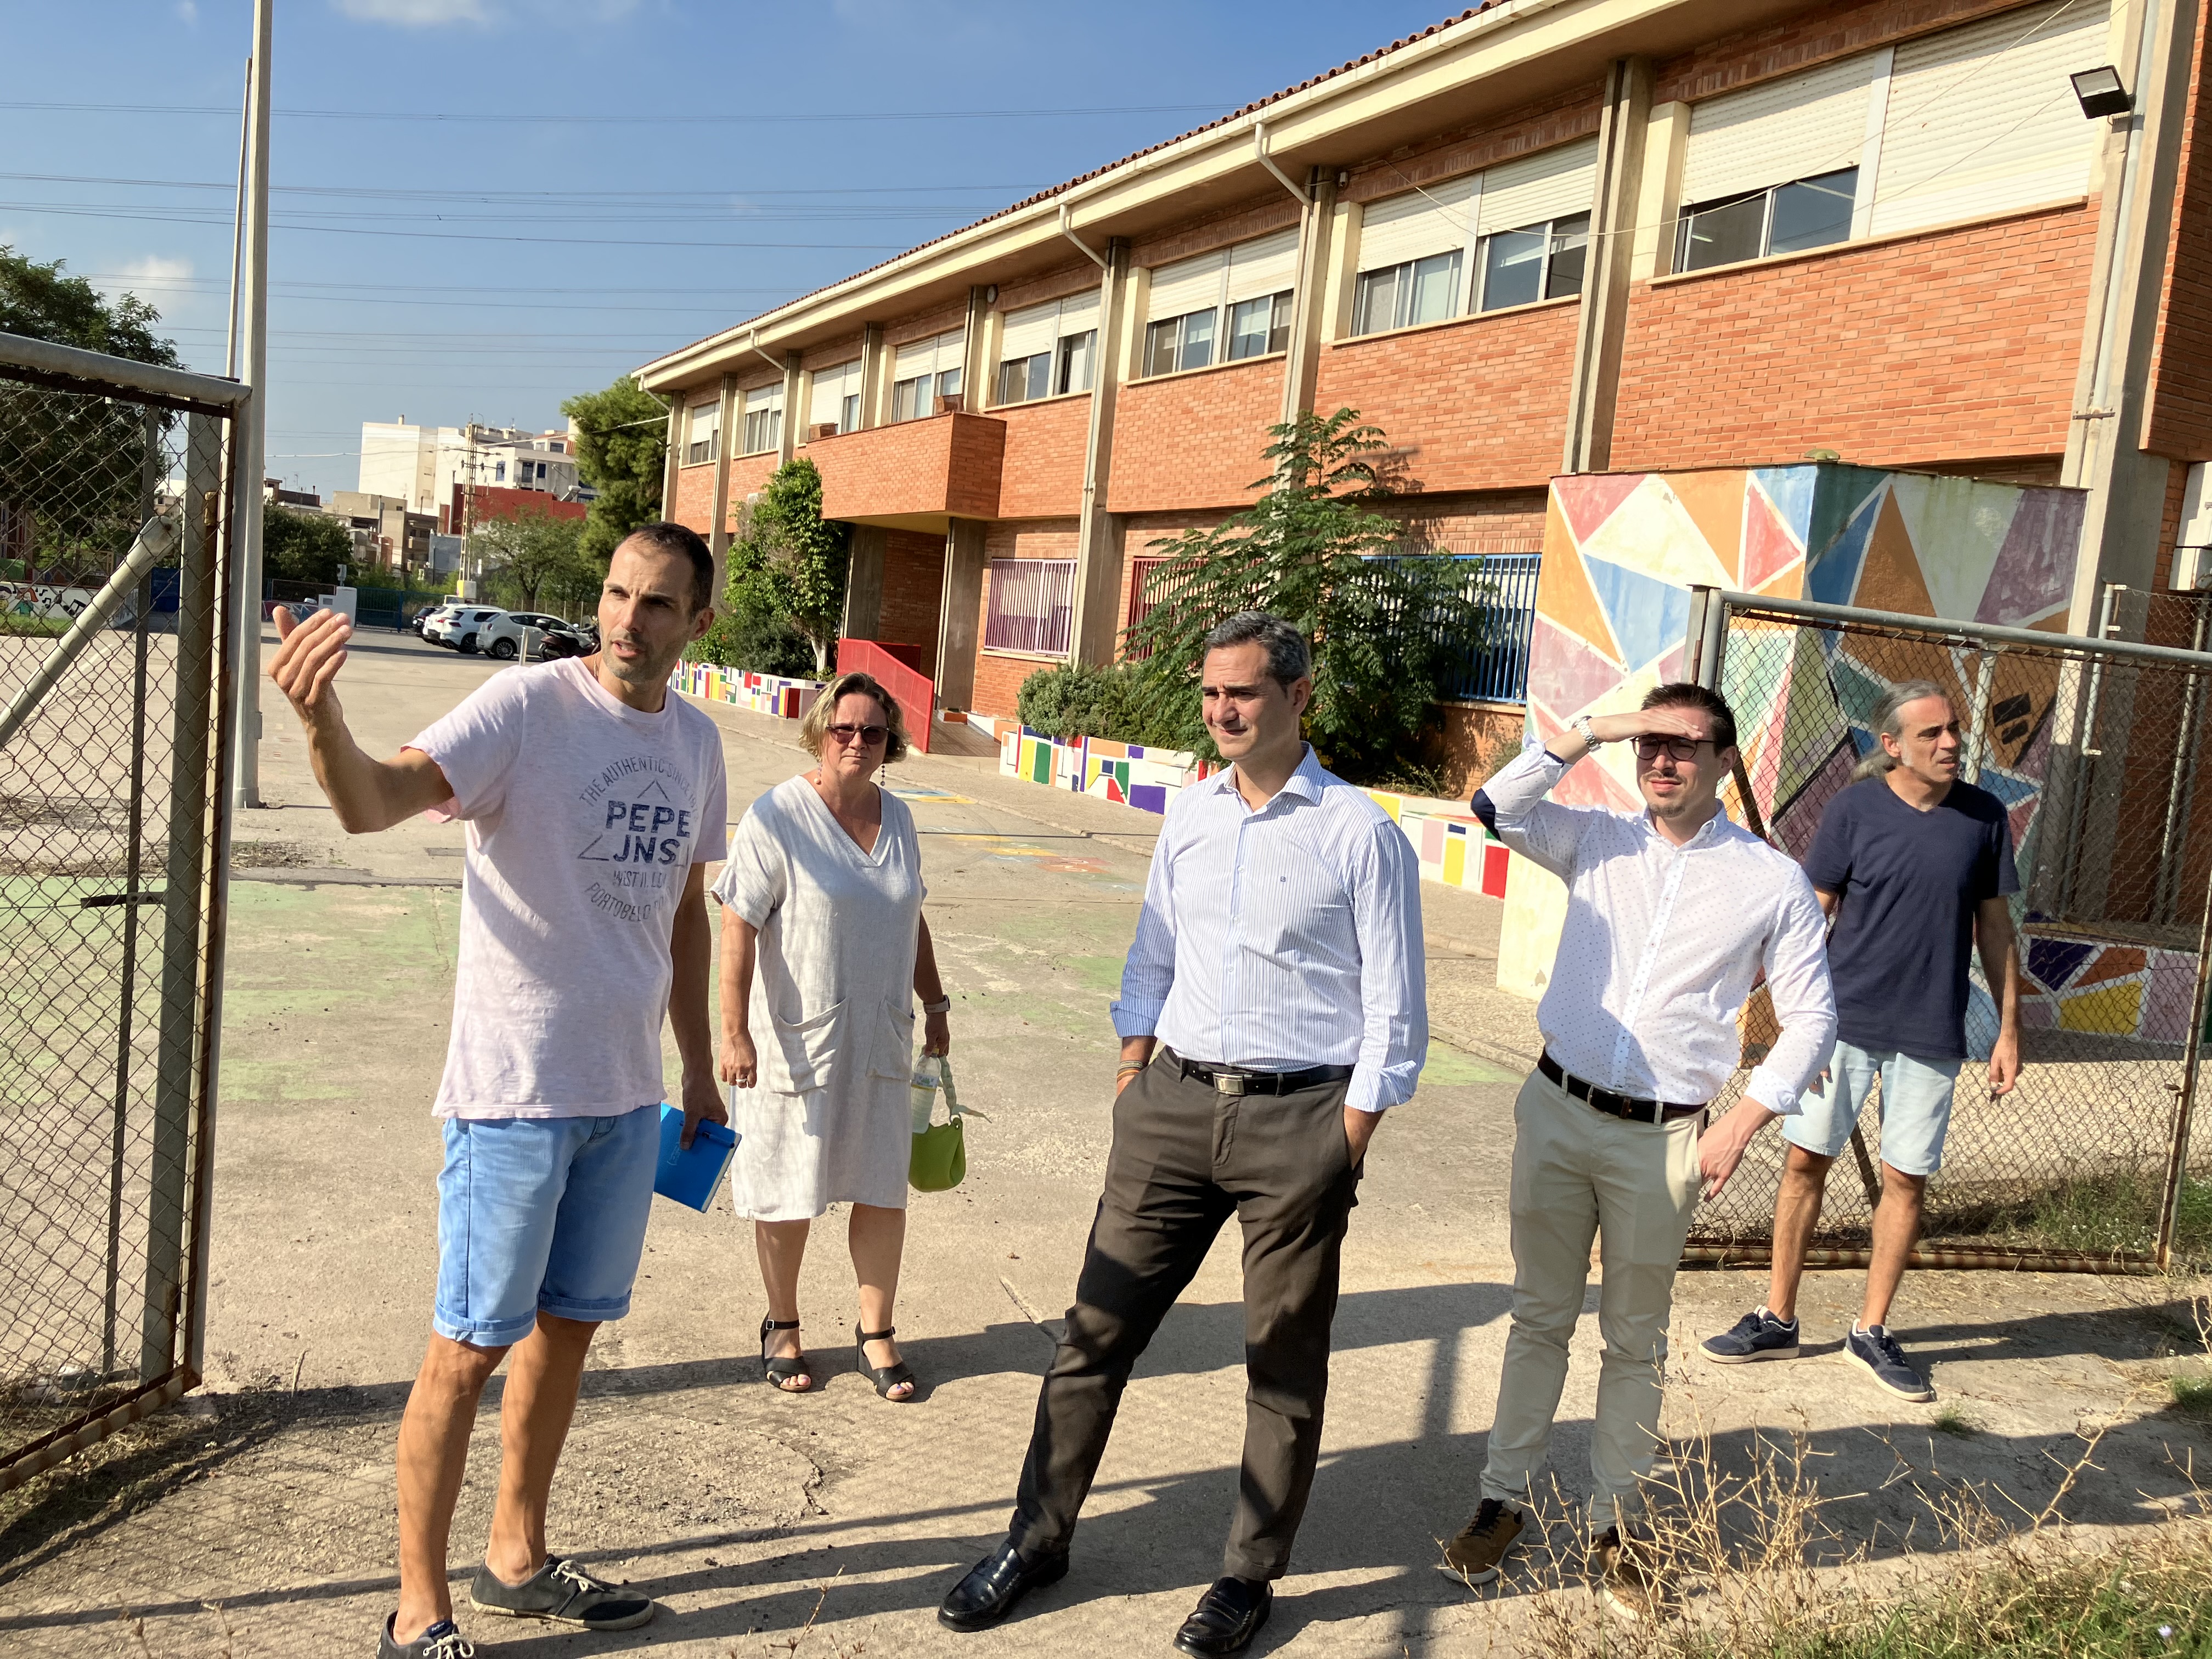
x: 799, y: 1052
x: 891, y: 1054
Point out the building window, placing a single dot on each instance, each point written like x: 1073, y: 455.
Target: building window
x: 706, y: 424
x: 925, y: 371
x: 763, y: 428
x: 498, y: 471
x: 1021, y: 379
x: 1258, y: 326
x: 1180, y: 342
x: 1806, y: 213
x: 1536, y: 262
x: 1076, y: 352
x: 1418, y: 291
x: 1031, y: 603
x: 1046, y: 350
x: 837, y: 398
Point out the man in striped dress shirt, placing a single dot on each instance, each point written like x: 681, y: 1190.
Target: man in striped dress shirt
x: 1672, y: 915
x: 1273, y: 1006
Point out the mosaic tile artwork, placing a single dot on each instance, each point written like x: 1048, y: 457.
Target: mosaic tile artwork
x: 764, y: 694
x: 1450, y: 841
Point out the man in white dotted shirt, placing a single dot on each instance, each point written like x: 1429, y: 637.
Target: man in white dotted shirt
x: 1672, y: 915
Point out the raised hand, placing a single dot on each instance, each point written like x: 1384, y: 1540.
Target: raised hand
x: 308, y: 656
x: 1646, y: 722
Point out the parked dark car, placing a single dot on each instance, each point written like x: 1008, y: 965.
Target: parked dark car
x: 421, y: 619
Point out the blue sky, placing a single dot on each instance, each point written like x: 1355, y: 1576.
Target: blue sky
x: 483, y: 206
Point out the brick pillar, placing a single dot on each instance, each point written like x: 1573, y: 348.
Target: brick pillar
x: 958, y: 609
x: 864, y: 582
x: 1096, y: 621
x: 1603, y: 323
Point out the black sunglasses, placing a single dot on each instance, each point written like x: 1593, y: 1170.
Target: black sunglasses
x: 845, y: 731
x: 1680, y: 749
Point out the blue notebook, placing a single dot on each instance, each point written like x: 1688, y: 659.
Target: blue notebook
x: 688, y: 1177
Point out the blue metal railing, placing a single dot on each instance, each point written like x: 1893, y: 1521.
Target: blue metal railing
x: 1491, y: 662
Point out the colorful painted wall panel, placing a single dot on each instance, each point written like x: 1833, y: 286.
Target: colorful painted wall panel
x: 764, y: 694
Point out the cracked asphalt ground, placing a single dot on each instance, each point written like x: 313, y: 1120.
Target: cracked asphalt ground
x: 257, y: 1519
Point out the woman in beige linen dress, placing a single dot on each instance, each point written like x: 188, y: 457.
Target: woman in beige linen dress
x: 824, y: 948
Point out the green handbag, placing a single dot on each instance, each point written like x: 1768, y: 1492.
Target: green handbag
x: 939, y: 1160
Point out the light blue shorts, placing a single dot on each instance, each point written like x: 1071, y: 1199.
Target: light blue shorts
x: 541, y: 1213
x: 1914, y: 1104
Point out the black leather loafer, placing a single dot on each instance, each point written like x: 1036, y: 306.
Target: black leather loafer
x: 991, y: 1587
x: 1227, y: 1617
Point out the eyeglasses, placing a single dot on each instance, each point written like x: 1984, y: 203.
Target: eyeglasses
x: 871, y: 735
x: 1680, y: 749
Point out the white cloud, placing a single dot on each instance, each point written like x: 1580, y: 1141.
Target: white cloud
x: 188, y: 11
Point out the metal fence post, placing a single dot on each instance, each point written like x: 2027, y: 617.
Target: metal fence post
x: 182, y: 896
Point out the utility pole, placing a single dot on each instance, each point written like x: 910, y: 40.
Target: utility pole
x: 249, y: 440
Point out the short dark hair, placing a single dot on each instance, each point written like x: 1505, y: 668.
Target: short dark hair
x: 1681, y: 694
x: 1288, y: 658
x: 672, y: 540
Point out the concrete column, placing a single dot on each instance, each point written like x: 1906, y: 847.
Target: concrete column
x: 975, y: 359
x: 871, y: 375
x: 1603, y: 323
x: 959, y: 608
x: 675, y: 456
x: 1096, y: 622
x: 2104, y: 449
x: 1309, y: 299
x: 787, y: 445
x: 864, y: 582
x: 718, y: 538
x: 1659, y: 197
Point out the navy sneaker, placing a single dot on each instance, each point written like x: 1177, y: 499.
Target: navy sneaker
x: 1758, y: 1335
x: 440, y: 1640
x: 1874, y: 1352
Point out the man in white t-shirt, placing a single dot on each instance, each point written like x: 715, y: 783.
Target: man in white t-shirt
x: 594, y: 802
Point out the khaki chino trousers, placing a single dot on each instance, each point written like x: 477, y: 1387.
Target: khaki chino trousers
x: 1579, y: 1173
x: 1185, y: 1158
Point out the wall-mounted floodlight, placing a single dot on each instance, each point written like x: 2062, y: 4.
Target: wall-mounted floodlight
x: 2100, y: 92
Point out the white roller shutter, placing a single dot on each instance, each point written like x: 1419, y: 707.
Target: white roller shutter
x: 1187, y: 285
x: 1267, y: 264
x: 1030, y: 331
x: 1079, y: 313
x: 705, y: 418
x: 1435, y: 219
x: 764, y: 397
x: 831, y: 387
x: 1778, y: 130
x: 918, y: 358
x: 1982, y: 120
x: 1552, y: 184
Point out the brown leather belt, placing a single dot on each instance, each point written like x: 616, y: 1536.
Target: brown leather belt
x: 1612, y: 1105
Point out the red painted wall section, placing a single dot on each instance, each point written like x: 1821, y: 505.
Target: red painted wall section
x: 914, y: 586
x: 1485, y: 397
x: 1193, y: 440
x: 1930, y: 348
x: 1043, y: 474
x: 2178, y: 422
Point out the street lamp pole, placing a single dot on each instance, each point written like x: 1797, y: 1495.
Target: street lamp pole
x: 251, y: 440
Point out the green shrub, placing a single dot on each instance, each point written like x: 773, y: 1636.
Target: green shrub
x: 1073, y: 700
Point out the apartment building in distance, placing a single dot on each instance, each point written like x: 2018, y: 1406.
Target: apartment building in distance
x: 426, y: 466
x: 1543, y: 237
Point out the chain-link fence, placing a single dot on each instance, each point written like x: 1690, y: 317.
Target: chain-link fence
x: 112, y: 739
x: 2093, y: 747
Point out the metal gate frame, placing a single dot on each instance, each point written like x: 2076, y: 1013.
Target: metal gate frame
x: 212, y: 406
x: 1705, y: 644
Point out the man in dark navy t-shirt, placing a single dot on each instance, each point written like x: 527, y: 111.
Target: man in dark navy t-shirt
x: 1914, y: 867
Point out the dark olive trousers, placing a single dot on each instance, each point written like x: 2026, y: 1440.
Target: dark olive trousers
x: 1185, y: 1157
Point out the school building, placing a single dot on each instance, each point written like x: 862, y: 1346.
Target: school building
x: 1543, y: 237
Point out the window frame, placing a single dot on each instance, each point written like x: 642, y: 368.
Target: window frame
x: 1050, y: 583
x: 770, y: 415
x: 1768, y: 198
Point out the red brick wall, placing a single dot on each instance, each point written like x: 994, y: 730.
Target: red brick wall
x: 1193, y: 440
x: 1509, y: 521
x: 975, y: 466
x: 2178, y: 421
x: 940, y: 464
x: 1926, y: 348
x: 695, y: 498
x: 998, y: 679
x: 1263, y: 215
x: 1470, y: 741
x: 914, y: 584
x: 1044, y: 470
x: 841, y: 350
x: 1813, y: 36
x: 925, y: 326
x: 748, y: 474
x: 1484, y: 397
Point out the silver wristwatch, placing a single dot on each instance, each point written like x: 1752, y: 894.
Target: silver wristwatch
x: 943, y: 1004
x: 1588, y: 732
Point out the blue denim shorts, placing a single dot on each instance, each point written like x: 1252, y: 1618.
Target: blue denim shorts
x: 1915, y: 1104
x: 538, y: 1213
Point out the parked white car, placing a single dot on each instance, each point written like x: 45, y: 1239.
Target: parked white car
x: 461, y: 625
x: 522, y: 632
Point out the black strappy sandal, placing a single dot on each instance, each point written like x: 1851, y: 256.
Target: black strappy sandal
x: 775, y: 1372
x: 886, y: 1377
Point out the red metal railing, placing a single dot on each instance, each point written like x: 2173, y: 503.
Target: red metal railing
x: 915, y: 692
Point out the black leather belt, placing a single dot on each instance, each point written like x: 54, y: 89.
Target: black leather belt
x: 1237, y: 1080
x: 1612, y: 1105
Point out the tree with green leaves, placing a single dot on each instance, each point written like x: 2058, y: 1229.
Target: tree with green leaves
x: 303, y: 547
x: 71, y: 465
x: 621, y: 451
x: 535, y: 561
x: 1384, y: 619
x: 790, y: 563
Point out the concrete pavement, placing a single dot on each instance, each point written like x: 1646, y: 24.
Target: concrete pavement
x: 259, y: 1520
